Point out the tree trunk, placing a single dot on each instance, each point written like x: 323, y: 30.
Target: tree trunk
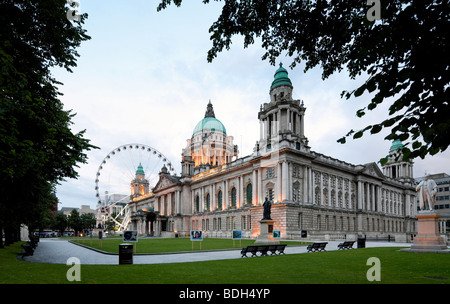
x: 1, y: 237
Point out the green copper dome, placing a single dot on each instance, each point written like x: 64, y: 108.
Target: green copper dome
x: 210, y: 123
x: 281, y: 78
x: 397, y: 144
x: 140, y: 170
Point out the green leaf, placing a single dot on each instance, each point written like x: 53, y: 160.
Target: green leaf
x: 416, y: 145
x: 388, y: 122
x: 341, y: 140
x: 376, y: 129
x: 384, y: 160
x: 359, y: 91
x: 360, y: 113
x: 358, y: 134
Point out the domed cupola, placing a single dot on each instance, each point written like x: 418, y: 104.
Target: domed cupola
x: 281, y: 119
x: 281, y: 88
x: 139, y: 185
x: 396, y: 167
x: 281, y: 78
x: 140, y: 170
x: 209, y: 145
x: 209, y: 123
x: 396, y: 145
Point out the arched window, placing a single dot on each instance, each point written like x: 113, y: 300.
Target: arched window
x: 207, y: 203
x: 197, y: 203
x: 233, y: 197
x: 249, y: 193
x: 219, y: 200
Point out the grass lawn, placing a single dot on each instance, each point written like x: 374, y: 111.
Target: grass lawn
x: 333, y: 267
x: 154, y: 245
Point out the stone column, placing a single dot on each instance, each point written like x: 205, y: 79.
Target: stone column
x: 192, y: 201
x: 225, y: 194
x: 278, y: 185
x: 202, y: 199
x: 360, y: 194
x: 372, y: 190
x: 254, y: 187
x: 241, y: 191
x: 261, y: 130
x: 311, y: 186
x: 260, y: 188
x: 302, y: 125
x: 305, y: 185
x: 212, y: 197
x: 378, y: 198
x: 179, y: 202
x: 284, y: 181
x: 367, y: 205
x: 278, y: 121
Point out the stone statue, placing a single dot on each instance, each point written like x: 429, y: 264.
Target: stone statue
x: 267, y: 205
x: 427, y: 194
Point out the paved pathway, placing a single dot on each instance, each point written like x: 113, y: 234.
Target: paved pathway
x: 59, y: 251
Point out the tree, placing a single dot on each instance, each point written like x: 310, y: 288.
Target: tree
x: 110, y: 226
x: 37, y: 147
x: 404, y: 55
x: 74, y: 221
x: 60, y: 222
x: 88, y: 221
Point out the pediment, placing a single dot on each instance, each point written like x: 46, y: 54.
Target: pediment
x: 165, y: 181
x: 372, y: 169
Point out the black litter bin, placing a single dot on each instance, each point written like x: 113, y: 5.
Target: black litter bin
x: 125, y: 254
x: 361, y: 242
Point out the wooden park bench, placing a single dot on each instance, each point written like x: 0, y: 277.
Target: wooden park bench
x: 263, y: 249
x: 249, y: 249
x: 346, y: 245
x: 316, y: 247
x: 274, y: 248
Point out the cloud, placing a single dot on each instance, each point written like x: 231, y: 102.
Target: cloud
x: 143, y: 78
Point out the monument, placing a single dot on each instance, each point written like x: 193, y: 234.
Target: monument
x: 428, y: 238
x: 266, y: 226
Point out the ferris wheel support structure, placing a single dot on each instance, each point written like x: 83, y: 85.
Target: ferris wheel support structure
x: 115, y: 174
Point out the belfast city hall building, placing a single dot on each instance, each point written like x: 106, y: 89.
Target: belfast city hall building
x: 313, y: 196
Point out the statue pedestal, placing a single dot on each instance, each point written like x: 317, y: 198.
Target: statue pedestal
x: 266, y: 233
x: 428, y: 239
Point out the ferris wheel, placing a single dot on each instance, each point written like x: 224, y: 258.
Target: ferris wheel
x: 118, y: 169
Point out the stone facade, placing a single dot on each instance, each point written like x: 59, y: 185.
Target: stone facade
x: 313, y: 196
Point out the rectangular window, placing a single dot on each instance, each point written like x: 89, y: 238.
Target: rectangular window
x: 270, y: 172
x: 270, y: 194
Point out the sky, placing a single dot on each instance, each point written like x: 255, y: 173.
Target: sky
x: 143, y: 78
